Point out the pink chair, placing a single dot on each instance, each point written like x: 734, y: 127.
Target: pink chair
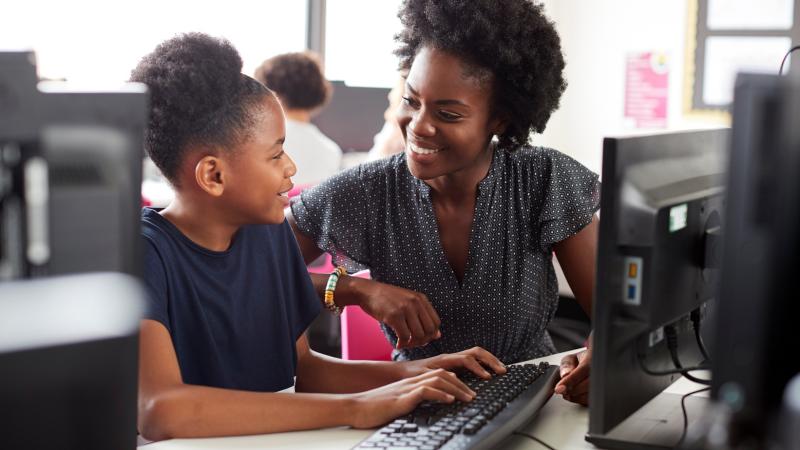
x: 362, y: 337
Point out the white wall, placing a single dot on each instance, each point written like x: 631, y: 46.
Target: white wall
x: 596, y: 36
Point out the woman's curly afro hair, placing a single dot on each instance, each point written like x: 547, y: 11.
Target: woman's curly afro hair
x: 198, y: 96
x: 297, y: 79
x: 512, y: 39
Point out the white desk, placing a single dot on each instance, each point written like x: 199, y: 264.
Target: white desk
x: 560, y: 424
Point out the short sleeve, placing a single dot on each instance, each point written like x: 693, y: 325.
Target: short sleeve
x: 334, y: 214
x: 155, y: 281
x: 571, y: 197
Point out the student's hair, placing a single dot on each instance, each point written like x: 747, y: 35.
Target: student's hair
x: 297, y: 79
x: 198, y: 96
x: 511, y: 39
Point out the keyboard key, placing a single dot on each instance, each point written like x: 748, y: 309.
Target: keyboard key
x: 470, y: 412
x: 470, y: 429
x: 409, y: 427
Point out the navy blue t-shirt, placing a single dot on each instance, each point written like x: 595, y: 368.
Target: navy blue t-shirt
x: 234, y: 316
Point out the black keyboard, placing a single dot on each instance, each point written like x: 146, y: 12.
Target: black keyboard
x: 502, y: 404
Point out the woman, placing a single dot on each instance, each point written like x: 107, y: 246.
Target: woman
x: 459, y: 230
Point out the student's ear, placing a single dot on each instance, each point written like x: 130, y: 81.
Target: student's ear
x: 209, y: 175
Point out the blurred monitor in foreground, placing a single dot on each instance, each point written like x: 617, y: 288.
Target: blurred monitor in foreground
x: 70, y: 183
x: 70, y: 174
x: 69, y: 358
x: 758, y: 340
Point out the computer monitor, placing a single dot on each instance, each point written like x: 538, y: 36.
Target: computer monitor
x: 70, y: 201
x: 661, y: 209
x: 70, y: 174
x: 757, y: 306
x: 68, y: 353
x: 354, y: 116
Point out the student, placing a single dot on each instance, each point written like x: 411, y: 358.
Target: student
x: 459, y: 231
x: 298, y: 81
x: 230, y: 295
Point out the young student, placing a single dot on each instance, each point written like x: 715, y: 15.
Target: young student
x: 467, y: 218
x: 298, y: 81
x: 230, y: 295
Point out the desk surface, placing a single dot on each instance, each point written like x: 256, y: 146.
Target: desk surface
x: 560, y: 424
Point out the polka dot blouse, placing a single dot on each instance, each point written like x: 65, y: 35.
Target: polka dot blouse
x: 377, y: 216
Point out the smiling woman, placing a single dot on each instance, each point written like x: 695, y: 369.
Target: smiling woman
x: 460, y: 229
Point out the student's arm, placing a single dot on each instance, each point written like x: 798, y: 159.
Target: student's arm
x: 321, y: 373
x: 409, y: 313
x: 577, y: 255
x: 168, y: 408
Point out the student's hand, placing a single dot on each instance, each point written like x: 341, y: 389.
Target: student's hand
x: 476, y: 360
x: 574, y: 383
x: 407, y: 312
x: 379, y: 406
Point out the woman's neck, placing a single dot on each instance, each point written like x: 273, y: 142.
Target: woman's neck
x: 457, y: 186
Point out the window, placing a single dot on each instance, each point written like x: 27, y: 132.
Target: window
x: 732, y: 36
x: 359, y: 42
x: 100, y: 41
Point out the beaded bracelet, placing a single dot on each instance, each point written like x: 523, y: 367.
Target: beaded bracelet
x: 330, y: 287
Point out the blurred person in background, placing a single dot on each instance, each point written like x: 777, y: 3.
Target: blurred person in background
x: 389, y: 140
x: 301, y: 87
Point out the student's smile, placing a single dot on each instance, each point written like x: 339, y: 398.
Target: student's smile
x: 284, y: 196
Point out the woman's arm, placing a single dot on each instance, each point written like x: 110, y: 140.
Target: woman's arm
x: 308, y: 248
x: 577, y: 256
x: 409, y: 313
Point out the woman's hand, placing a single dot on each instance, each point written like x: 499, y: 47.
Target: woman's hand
x: 476, y: 360
x: 407, y: 312
x: 379, y: 406
x: 574, y: 383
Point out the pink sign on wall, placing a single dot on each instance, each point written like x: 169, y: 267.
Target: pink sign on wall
x: 646, y: 89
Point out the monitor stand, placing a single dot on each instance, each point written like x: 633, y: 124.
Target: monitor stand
x: 656, y: 425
